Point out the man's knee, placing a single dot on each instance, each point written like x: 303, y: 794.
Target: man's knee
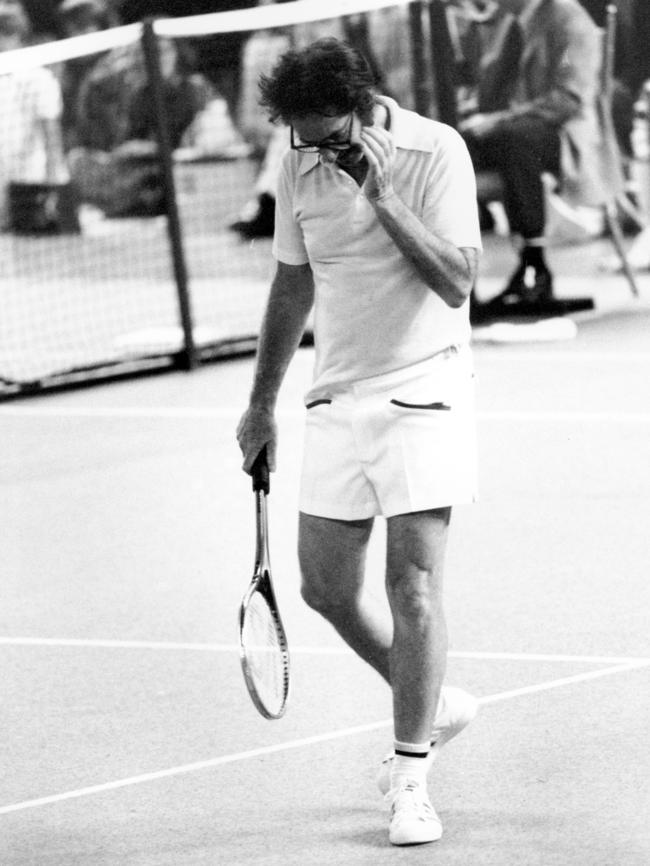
x: 415, y: 595
x: 314, y: 591
x: 322, y: 586
x: 414, y: 571
x: 332, y: 600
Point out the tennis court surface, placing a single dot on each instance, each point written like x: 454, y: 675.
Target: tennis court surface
x: 128, y: 736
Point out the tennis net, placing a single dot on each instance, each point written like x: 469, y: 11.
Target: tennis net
x: 125, y: 257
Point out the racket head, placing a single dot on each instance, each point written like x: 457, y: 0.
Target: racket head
x: 263, y: 648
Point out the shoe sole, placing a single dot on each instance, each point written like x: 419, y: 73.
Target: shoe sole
x: 403, y: 840
x: 415, y: 838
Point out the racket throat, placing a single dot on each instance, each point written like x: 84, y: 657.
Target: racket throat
x: 262, y: 557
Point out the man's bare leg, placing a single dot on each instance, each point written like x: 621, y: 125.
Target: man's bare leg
x: 416, y: 545
x: 332, y: 558
x: 412, y: 650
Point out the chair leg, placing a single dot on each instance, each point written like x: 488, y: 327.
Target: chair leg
x: 615, y: 233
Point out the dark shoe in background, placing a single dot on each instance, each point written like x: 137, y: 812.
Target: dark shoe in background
x: 261, y: 221
x: 528, y: 295
x: 529, y: 285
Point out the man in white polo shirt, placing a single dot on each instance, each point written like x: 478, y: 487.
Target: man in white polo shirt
x: 377, y: 230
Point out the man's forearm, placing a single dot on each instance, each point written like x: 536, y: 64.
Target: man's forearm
x: 290, y: 300
x: 448, y: 271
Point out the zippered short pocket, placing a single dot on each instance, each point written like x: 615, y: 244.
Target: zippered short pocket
x: 431, y: 407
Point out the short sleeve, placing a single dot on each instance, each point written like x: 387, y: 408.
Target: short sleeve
x: 450, y: 206
x: 288, y: 242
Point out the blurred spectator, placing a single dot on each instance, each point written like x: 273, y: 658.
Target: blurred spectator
x: 638, y: 70
x: 30, y: 107
x: 115, y: 102
x: 218, y: 55
x: 631, y: 59
x: 631, y: 71
x: 43, y: 18
x: 116, y: 163
x: 537, y: 113
x: 185, y: 93
x: 78, y: 18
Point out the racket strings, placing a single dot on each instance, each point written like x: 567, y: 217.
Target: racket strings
x: 265, y: 653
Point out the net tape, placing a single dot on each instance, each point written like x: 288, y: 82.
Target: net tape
x: 254, y: 19
x: 67, y: 49
x: 267, y: 17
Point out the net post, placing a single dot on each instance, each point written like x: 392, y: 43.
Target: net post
x: 187, y: 358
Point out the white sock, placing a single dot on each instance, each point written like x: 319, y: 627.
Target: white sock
x: 410, y: 763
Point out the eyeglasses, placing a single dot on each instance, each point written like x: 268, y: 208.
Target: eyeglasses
x: 336, y: 144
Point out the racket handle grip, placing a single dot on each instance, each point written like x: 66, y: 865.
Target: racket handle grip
x: 260, y: 473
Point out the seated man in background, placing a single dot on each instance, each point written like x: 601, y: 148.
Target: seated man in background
x: 537, y: 114
x: 115, y: 162
x: 218, y: 55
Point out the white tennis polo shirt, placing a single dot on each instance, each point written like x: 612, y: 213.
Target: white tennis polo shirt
x: 373, y: 314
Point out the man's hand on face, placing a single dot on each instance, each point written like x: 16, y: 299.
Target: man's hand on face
x: 379, y: 151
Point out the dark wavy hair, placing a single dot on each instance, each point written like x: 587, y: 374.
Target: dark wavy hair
x: 327, y: 77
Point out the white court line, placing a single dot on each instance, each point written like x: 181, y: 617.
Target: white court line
x: 94, y: 643
x: 527, y: 416
x: 498, y: 354
x: 564, y: 681
x: 295, y: 744
x: 537, y: 417
x: 125, y: 411
x: 118, y: 644
x: 548, y: 657
x: 230, y: 413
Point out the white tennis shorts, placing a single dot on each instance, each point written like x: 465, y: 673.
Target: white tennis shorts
x: 393, y: 444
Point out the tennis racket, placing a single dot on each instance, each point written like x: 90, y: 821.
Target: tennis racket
x: 263, y: 648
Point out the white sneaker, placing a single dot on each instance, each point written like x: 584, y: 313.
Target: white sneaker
x: 413, y: 819
x: 456, y: 709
